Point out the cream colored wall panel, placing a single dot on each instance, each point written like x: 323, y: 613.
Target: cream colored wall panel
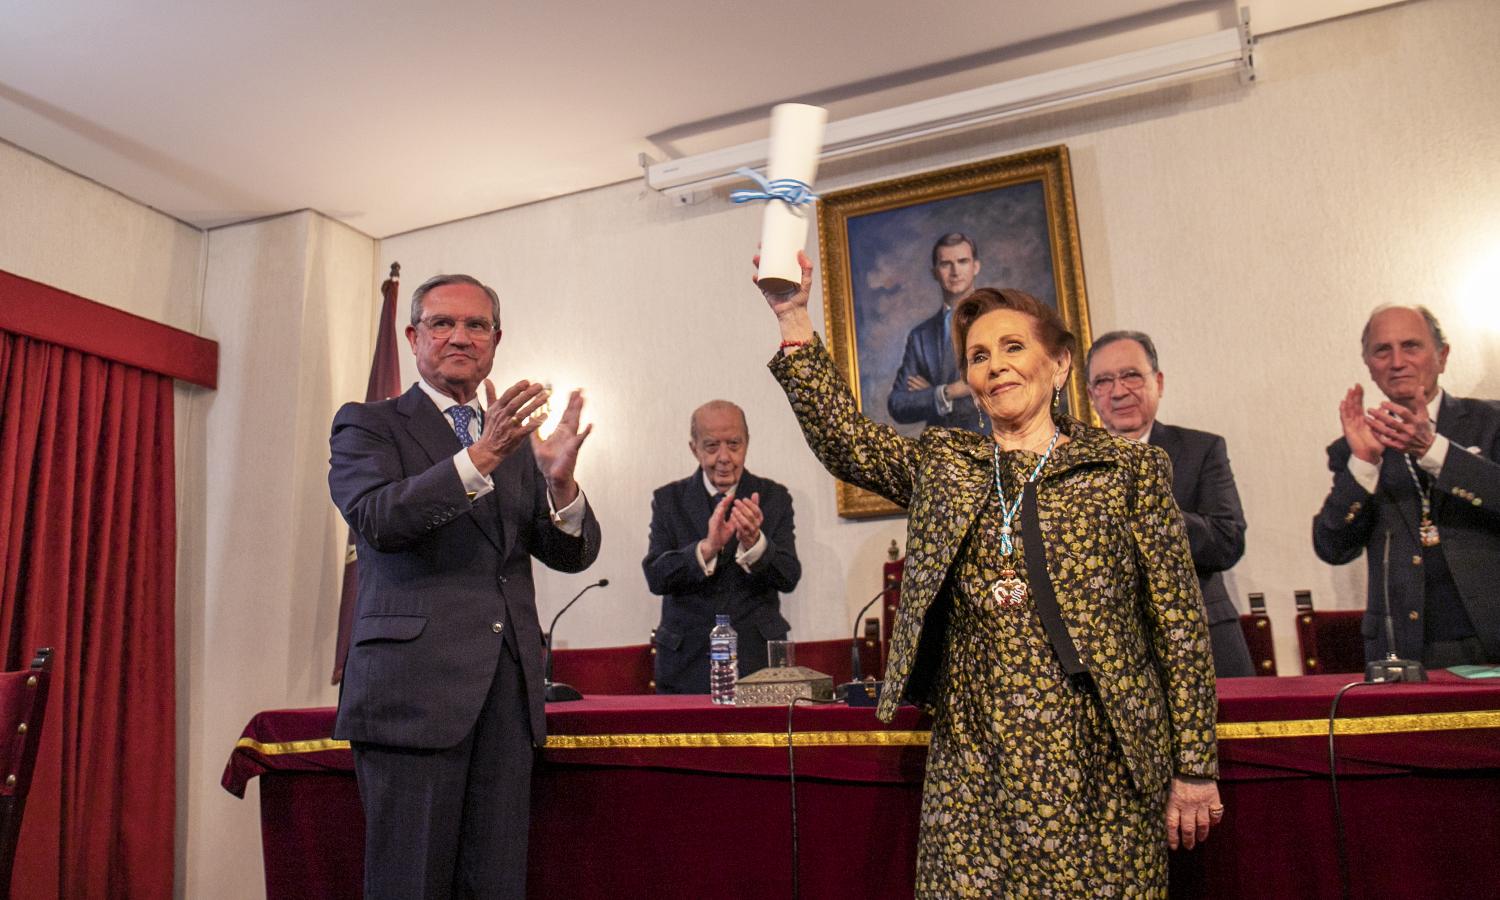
x: 1249, y: 229
x: 288, y: 300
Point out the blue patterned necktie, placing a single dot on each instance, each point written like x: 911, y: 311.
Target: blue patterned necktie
x: 462, y: 415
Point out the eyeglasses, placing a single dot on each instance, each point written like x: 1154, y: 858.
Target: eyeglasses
x: 1130, y: 379
x: 442, y: 327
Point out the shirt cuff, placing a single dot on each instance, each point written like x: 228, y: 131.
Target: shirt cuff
x: 1432, y: 461
x: 475, y: 483
x: 707, y: 565
x: 748, y: 558
x: 1366, y: 474
x: 941, y: 401
x: 569, y: 519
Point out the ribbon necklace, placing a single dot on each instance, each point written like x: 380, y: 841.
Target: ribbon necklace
x: 1428, y: 532
x: 1010, y: 590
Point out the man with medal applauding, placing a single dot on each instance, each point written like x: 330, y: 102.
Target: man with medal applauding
x: 1422, y: 469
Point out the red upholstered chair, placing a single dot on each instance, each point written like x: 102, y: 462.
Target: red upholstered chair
x: 833, y: 658
x: 1330, y: 641
x: 23, y: 701
x: 1257, y: 627
x: 607, y: 670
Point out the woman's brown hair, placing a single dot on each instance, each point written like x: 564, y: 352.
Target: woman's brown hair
x: 1054, y: 334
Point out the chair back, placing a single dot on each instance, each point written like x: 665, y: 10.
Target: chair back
x: 1257, y: 627
x: 23, y: 705
x: 607, y: 670
x: 1330, y: 641
x: 833, y: 658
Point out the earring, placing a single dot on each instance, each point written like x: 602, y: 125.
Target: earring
x: 1056, y: 397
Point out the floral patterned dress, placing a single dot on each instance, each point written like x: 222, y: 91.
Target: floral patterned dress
x: 1034, y: 788
x: 1026, y: 793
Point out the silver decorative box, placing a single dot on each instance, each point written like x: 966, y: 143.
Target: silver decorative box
x: 778, y: 687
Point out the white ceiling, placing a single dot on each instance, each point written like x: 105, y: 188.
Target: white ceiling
x: 392, y: 115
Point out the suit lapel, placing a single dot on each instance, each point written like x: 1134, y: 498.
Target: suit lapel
x: 1396, y: 482
x: 432, y: 431
x: 1169, y: 440
x: 426, y: 425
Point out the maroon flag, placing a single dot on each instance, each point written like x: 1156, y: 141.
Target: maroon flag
x: 385, y: 382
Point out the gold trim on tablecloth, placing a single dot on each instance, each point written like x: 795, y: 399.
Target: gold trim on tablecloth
x: 1408, y: 722
x: 737, y: 739
x: 284, y: 747
x: 1227, y: 731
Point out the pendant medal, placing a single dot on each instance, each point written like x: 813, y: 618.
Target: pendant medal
x: 1429, y: 533
x: 1009, y: 591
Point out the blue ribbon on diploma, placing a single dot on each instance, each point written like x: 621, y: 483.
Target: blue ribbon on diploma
x: 788, y: 190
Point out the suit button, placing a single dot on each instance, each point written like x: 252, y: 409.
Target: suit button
x: 502, y: 579
x: 500, y: 626
x: 1414, y: 615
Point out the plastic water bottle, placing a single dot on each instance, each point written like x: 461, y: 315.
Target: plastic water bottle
x: 723, y: 661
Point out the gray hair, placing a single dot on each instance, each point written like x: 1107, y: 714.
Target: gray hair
x: 437, y: 281
x: 1433, y: 328
x: 722, y: 406
x: 1104, y: 340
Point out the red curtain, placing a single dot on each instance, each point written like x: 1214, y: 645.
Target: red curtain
x: 88, y: 546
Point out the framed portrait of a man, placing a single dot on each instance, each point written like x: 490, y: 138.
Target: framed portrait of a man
x: 896, y: 256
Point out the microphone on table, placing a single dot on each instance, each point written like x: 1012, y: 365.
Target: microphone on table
x: 1392, y: 668
x: 859, y: 692
x: 555, y: 692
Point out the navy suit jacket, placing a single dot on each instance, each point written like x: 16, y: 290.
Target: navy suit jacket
x: 1203, y: 486
x: 437, y: 574
x: 929, y: 354
x: 690, y: 599
x: 1465, y: 508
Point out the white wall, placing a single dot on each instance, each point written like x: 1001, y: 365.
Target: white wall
x: 1250, y: 230
x: 289, y: 302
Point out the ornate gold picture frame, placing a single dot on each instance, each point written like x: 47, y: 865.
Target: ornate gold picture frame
x: 878, y: 244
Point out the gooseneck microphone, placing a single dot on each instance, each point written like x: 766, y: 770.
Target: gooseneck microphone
x: 857, y: 690
x: 1392, y: 668
x: 560, y: 693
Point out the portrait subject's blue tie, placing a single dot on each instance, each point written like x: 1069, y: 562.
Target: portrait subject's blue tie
x: 462, y: 415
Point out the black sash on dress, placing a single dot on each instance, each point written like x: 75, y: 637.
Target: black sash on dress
x: 1041, y: 589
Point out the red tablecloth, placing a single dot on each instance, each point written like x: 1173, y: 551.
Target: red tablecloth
x: 671, y: 796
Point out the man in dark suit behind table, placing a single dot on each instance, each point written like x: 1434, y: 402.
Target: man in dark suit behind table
x: 722, y: 542
x: 442, y: 697
x: 1125, y: 384
x: 1423, y: 468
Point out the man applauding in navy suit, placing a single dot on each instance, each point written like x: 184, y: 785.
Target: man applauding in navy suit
x: 1420, y: 474
x: 442, y: 699
x: 1125, y: 385
x: 722, y: 543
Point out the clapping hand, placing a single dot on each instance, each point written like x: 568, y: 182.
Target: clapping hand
x: 1409, y: 431
x: 1361, y: 439
x: 746, y: 518
x: 557, y: 455
x: 508, y: 420
x: 720, y: 529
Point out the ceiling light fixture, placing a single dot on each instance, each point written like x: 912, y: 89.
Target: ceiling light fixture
x: 1223, y: 51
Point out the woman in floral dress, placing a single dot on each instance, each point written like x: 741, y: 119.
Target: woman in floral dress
x: 1038, y: 784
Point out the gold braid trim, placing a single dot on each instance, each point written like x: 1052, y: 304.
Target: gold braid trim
x: 1410, y: 722
x: 1227, y: 731
x: 314, y: 746
x: 738, y: 739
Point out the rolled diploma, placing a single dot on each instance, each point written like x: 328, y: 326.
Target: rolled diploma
x: 796, y: 143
